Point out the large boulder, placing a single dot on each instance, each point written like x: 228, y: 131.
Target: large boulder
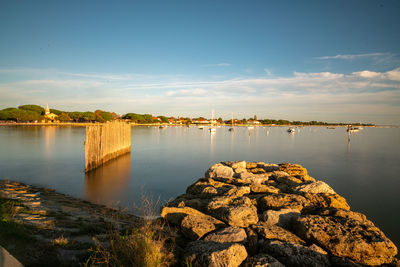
x: 262, y: 188
x: 219, y: 171
x: 283, y: 217
x: 175, y: 215
x: 342, y: 236
x: 293, y: 169
x: 314, y: 188
x: 324, y: 200
x: 275, y: 232
x: 214, y: 254
x: 281, y: 200
x: 234, y: 211
x: 295, y: 255
x: 253, y: 178
x: 194, y: 227
x: 229, y: 234
x: 193, y: 224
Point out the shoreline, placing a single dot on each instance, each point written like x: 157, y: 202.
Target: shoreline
x: 49, y: 226
x: 84, y: 124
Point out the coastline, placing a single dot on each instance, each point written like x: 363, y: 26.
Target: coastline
x: 84, y: 124
x: 47, y: 226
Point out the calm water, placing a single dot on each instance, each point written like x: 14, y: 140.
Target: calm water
x: 365, y: 170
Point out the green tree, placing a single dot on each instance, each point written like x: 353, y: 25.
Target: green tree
x: 88, y: 116
x: 107, y: 116
x: 63, y: 117
x: 76, y: 115
x: 56, y: 111
x: 163, y: 119
x: 34, y: 108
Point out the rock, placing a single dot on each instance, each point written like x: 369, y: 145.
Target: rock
x: 176, y: 215
x: 262, y: 260
x: 292, y: 169
x: 257, y: 170
x: 194, y: 227
x: 323, y: 200
x: 250, y: 165
x: 269, y: 167
x: 214, y: 254
x: 279, y: 215
x: 357, y: 240
x: 261, y: 188
x: 282, y: 217
x: 202, y: 186
x: 220, y: 171
x: 295, y: 254
x: 239, y: 212
x: 239, y: 165
x: 275, y: 232
x: 252, y: 241
x: 314, y: 188
x: 347, y: 214
x: 229, y: 234
x: 289, y: 180
x: 281, y: 200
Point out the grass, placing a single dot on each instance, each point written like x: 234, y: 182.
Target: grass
x: 148, y: 245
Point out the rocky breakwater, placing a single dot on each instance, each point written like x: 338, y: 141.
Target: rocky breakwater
x: 258, y: 214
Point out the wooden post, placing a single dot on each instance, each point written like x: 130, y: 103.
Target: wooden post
x: 106, y: 141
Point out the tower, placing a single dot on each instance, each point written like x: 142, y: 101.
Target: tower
x: 47, y: 110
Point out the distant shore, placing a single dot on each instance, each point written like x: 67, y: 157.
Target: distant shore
x: 84, y: 124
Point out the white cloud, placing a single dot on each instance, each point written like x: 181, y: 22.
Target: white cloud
x: 394, y: 75
x: 368, y: 74
x: 319, y: 95
x: 353, y: 56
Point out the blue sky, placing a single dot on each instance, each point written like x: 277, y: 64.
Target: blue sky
x: 297, y: 60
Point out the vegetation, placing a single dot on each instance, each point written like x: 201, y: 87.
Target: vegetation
x: 31, y: 113
x: 148, y: 245
x: 139, y: 118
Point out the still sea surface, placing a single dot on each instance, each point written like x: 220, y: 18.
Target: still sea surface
x: 363, y: 167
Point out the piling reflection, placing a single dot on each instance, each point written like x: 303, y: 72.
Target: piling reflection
x: 106, y: 184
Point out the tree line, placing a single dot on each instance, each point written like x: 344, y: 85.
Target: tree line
x: 31, y: 113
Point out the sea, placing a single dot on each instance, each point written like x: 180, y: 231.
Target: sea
x: 363, y: 167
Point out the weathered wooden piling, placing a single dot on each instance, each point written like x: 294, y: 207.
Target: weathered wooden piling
x: 106, y: 141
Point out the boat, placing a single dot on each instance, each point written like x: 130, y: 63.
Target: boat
x: 231, y: 129
x: 330, y: 127
x: 201, y: 127
x: 352, y: 129
x: 291, y: 130
x: 250, y: 127
x: 212, y: 129
x: 163, y: 127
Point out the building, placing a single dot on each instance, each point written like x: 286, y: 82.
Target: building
x: 48, y: 116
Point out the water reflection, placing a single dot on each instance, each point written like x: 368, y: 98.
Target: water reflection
x: 105, y: 184
x: 49, y: 135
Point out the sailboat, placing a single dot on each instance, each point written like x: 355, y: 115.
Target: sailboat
x: 212, y: 129
x: 231, y: 129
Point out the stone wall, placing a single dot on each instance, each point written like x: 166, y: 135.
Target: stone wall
x: 258, y: 214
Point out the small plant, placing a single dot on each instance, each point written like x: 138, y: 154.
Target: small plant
x: 61, y: 241
x: 146, y: 245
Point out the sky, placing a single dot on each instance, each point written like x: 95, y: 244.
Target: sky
x: 334, y: 61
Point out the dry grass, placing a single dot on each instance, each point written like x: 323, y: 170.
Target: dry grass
x: 61, y: 241
x: 149, y: 245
